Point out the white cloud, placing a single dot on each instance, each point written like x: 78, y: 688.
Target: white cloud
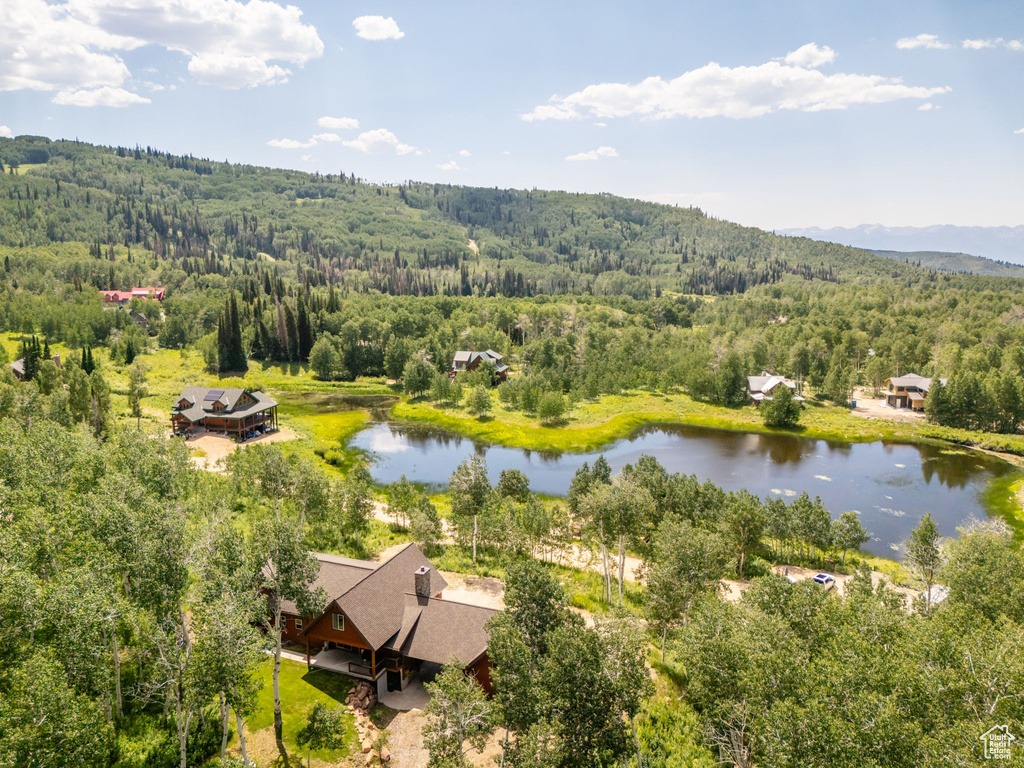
x: 291, y: 143
x: 506, y: 152
x: 75, y: 45
x: 600, y: 125
x: 594, y: 154
x: 735, y: 92
x: 338, y: 123
x: 977, y: 45
x: 993, y: 42
x: 551, y: 111
x: 810, y: 56
x: 6, y: 132
x: 99, y: 97
x: 463, y: 153
x: 451, y: 165
x: 327, y: 137
x: 927, y: 107
x: 923, y: 40
x: 377, y: 28
x: 307, y: 157
x: 378, y: 142
x: 1018, y: 131
x: 228, y: 71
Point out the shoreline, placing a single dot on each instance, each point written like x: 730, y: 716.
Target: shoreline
x: 1008, y: 507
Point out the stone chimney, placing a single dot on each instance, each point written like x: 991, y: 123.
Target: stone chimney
x: 56, y: 360
x: 422, y: 580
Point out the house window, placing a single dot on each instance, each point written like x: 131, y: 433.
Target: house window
x: 298, y: 623
x: 338, y: 621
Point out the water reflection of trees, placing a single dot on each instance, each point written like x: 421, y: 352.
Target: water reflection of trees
x: 951, y: 471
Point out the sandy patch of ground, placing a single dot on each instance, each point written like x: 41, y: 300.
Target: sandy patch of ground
x: 474, y: 590
x: 733, y: 589
x: 869, y: 407
x: 217, y: 447
x: 405, y: 740
x: 799, y: 573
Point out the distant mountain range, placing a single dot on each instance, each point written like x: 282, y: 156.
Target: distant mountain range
x: 999, y: 243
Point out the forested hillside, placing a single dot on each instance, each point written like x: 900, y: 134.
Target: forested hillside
x: 589, y: 294
x: 955, y: 262
x: 194, y: 215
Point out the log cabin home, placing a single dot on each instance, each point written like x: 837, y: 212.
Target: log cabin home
x: 908, y: 391
x: 470, y: 361
x: 759, y: 388
x: 241, y: 413
x: 383, y: 622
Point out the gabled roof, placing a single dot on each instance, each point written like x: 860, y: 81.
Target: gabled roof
x: 468, y: 356
x: 435, y: 630
x: 376, y: 604
x: 18, y: 366
x: 766, y: 382
x: 202, y: 400
x: 912, y: 380
x: 337, y: 576
x: 116, y: 295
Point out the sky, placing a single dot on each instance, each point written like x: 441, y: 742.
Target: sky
x: 790, y: 113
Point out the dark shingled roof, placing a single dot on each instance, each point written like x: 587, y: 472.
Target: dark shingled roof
x: 337, y: 576
x: 377, y: 603
x: 202, y: 400
x: 435, y: 630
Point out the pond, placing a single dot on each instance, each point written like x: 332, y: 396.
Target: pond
x: 890, y: 485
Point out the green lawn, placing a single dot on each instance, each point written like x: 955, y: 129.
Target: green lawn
x: 300, y: 690
x: 593, y: 424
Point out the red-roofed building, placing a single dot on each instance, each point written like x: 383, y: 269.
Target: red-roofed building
x: 123, y: 297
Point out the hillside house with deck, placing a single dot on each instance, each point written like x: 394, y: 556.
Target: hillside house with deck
x: 383, y: 622
x: 908, y: 391
x: 241, y: 413
x: 470, y: 361
x: 759, y: 388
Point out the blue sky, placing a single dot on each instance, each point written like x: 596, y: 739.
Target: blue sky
x: 773, y: 114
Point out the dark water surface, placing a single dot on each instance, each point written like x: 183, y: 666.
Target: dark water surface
x: 891, y: 485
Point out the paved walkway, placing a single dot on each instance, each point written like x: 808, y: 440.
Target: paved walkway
x: 413, y: 697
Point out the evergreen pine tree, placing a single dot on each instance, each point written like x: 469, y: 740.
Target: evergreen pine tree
x: 222, y: 343
x: 236, y: 353
x: 291, y: 335
x: 305, y: 331
x: 87, y: 362
x: 258, y: 351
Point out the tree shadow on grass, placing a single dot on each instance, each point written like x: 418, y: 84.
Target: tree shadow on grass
x: 331, y: 684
